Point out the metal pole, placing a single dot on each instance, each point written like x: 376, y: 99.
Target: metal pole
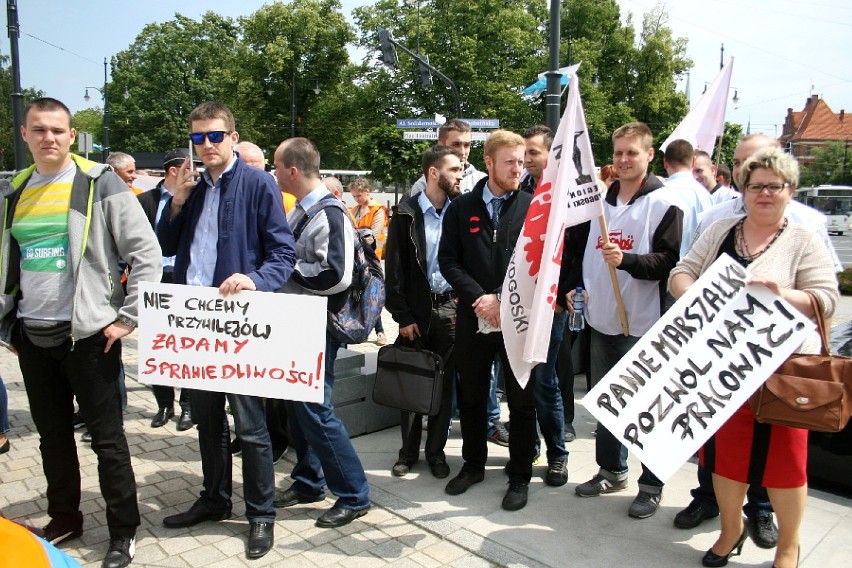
x: 293, y: 105
x: 440, y: 75
x: 722, y: 57
x: 553, y: 77
x: 17, y: 98
x: 106, y: 150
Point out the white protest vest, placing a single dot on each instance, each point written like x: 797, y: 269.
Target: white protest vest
x: 632, y: 227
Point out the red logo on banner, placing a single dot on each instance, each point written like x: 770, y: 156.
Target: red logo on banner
x: 535, y: 227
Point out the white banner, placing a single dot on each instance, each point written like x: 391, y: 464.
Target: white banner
x: 567, y: 194
x: 253, y: 343
x: 696, y: 366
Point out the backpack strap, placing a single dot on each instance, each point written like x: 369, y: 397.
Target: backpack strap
x: 328, y: 201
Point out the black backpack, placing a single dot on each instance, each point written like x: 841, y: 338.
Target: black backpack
x: 363, y: 301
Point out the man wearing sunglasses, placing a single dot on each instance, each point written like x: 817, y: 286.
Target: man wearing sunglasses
x: 228, y: 229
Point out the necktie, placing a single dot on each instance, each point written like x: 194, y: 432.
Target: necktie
x: 496, y: 204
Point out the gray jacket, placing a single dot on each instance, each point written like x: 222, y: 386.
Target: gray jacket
x: 105, y: 224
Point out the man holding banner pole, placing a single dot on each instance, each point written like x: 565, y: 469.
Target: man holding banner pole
x: 645, y: 230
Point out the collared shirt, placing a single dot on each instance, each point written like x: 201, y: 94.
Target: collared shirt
x: 692, y: 198
x: 168, y: 261
x: 432, y: 222
x: 306, y: 203
x: 488, y: 197
x: 203, y: 252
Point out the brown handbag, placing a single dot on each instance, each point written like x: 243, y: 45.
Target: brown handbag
x: 808, y: 391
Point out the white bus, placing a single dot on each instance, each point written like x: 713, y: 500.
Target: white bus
x: 833, y: 201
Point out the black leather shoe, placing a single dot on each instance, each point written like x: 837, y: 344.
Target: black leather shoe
x: 713, y: 560
x: 693, y: 515
x: 516, y: 496
x: 5, y: 447
x: 120, y: 553
x: 462, y: 482
x: 439, y: 468
x: 185, y: 421
x: 198, y: 513
x: 762, y: 530
x: 338, y: 516
x: 260, y: 539
x: 162, y: 417
x: 401, y: 468
x: 290, y: 497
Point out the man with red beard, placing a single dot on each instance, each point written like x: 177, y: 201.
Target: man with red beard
x: 420, y: 299
x: 479, y: 234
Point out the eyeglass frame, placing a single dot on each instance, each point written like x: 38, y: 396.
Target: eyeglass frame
x: 767, y: 187
x: 207, y: 135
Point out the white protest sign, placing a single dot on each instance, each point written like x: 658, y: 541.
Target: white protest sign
x: 253, y: 343
x: 696, y: 366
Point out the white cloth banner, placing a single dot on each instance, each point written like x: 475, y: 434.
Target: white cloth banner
x: 567, y: 194
x: 706, y: 120
x: 253, y: 343
x: 696, y: 366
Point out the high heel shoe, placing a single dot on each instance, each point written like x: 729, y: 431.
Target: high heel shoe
x: 713, y: 559
x: 798, y: 556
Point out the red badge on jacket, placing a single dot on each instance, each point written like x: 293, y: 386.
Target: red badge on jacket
x: 474, y: 224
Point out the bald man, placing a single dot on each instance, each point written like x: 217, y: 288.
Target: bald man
x: 251, y: 154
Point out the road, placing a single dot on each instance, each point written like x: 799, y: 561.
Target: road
x: 843, y: 246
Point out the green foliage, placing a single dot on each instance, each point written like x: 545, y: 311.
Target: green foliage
x: 392, y: 159
x: 845, y: 280
x: 830, y: 164
x: 90, y: 120
x: 733, y: 135
x: 7, y: 133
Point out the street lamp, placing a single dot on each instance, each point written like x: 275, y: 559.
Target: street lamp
x: 293, y: 116
x: 103, y: 92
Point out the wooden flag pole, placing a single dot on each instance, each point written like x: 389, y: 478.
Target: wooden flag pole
x: 625, y: 329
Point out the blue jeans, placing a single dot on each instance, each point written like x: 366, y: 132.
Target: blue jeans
x: 324, y: 453
x: 208, y: 411
x: 611, y: 455
x: 548, y: 398
x: 758, y: 504
x: 4, y: 409
x: 492, y: 407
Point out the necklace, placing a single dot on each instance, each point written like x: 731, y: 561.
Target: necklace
x: 744, y: 251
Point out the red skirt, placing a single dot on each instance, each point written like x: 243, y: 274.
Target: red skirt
x: 758, y: 454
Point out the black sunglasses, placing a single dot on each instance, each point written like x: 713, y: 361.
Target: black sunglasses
x: 215, y: 137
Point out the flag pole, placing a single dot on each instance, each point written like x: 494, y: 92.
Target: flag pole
x: 625, y: 329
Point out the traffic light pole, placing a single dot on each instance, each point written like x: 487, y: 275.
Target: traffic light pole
x: 384, y: 35
x: 16, y: 96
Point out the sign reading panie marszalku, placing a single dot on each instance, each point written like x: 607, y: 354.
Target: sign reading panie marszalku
x: 700, y: 362
x: 253, y: 343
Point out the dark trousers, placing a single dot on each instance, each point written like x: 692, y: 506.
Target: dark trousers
x: 439, y: 338
x: 474, y: 383
x: 166, y: 397
x: 757, y: 504
x: 52, y: 378
x: 565, y: 372
x: 277, y: 424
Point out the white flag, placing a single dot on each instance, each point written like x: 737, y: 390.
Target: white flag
x: 706, y: 120
x: 567, y: 194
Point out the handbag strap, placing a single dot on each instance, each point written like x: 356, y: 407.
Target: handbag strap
x: 819, y: 315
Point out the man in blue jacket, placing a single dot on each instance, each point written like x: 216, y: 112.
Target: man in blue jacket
x: 228, y: 230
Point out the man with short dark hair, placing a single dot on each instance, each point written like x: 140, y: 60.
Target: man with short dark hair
x: 685, y: 190
x: 228, y: 230
x: 537, y: 142
x: 325, y: 248
x: 420, y: 299
x: 705, y: 173
x: 455, y: 133
x: 68, y: 222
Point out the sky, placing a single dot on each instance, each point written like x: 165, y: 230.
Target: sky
x: 784, y: 50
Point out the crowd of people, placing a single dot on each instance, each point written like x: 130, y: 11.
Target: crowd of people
x: 74, y: 231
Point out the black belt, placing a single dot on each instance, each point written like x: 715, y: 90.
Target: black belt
x: 442, y: 297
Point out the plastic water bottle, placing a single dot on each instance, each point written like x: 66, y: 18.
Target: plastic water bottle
x: 576, y: 320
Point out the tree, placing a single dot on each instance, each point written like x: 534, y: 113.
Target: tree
x: 90, y: 120
x: 829, y: 164
x: 7, y: 133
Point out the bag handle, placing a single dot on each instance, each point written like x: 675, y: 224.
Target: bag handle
x: 820, y: 320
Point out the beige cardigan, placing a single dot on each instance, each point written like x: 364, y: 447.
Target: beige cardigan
x: 798, y: 260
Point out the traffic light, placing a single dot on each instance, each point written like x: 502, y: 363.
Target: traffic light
x: 425, y: 73
x: 388, y: 50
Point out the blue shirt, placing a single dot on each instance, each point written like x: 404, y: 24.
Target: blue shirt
x: 488, y: 197
x: 432, y: 222
x: 168, y: 261
x: 203, y: 252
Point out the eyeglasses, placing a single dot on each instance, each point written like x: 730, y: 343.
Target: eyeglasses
x: 770, y: 187
x: 215, y: 137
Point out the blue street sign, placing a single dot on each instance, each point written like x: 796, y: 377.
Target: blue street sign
x: 429, y: 123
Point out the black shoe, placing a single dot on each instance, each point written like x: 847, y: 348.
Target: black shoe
x: 185, y: 420
x: 78, y: 421
x: 162, y: 417
x: 516, y: 496
x: 277, y: 455
x: 712, y: 559
x: 338, y: 516
x: 86, y: 437
x: 198, y: 513
x: 236, y: 448
x: 762, y: 530
x: 439, y: 468
x: 5, y: 447
x: 557, y: 474
x: 462, y: 482
x: 401, y: 468
x: 570, y: 433
x: 693, y: 515
x: 290, y: 497
x: 120, y: 553
x: 59, y: 530
x: 260, y: 539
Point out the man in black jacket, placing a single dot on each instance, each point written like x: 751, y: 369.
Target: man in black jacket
x: 153, y: 201
x: 479, y: 234
x: 420, y: 299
